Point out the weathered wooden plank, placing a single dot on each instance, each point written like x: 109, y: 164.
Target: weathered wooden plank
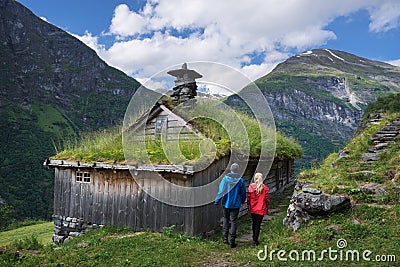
x: 57, y: 195
x: 140, y: 201
x: 72, y: 206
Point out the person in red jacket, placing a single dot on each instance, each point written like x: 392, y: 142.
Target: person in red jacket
x: 258, y: 202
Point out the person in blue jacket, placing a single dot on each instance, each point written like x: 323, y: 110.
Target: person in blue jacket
x: 232, y: 191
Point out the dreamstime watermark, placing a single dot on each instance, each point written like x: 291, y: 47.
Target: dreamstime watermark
x: 141, y: 125
x: 340, y: 253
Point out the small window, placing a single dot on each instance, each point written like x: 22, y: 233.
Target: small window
x: 82, y: 177
x: 79, y: 177
x: 86, y: 177
x: 161, y: 125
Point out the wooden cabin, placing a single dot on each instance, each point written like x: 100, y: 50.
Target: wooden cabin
x: 93, y: 194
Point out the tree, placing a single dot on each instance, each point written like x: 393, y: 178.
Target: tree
x: 6, y: 215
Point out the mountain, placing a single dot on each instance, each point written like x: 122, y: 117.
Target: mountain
x: 52, y: 87
x: 319, y: 96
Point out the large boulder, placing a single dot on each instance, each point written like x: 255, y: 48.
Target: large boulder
x: 322, y: 203
x: 307, y: 201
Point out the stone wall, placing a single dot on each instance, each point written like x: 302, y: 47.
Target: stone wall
x: 67, y: 227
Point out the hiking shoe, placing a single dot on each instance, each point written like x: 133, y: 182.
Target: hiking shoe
x: 233, y: 245
x: 225, y: 241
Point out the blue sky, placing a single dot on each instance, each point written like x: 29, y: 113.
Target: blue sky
x: 144, y: 37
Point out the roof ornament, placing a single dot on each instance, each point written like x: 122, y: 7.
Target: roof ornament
x: 185, y: 83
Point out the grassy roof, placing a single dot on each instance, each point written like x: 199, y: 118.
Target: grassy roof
x: 106, y: 145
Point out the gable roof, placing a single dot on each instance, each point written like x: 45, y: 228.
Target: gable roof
x: 106, y: 146
x: 154, y: 112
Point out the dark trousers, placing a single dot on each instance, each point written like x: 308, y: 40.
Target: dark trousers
x: 257, y: 220
x: 230, y: 221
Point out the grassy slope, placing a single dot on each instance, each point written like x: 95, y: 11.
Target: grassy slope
x: 26, y: 142
x: 351, y: 172
x: 43, y: 232
x: 377, y: 231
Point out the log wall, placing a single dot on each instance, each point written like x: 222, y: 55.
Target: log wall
x: 113, y: 197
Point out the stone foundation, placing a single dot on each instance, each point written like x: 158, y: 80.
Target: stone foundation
x: 67, y: 227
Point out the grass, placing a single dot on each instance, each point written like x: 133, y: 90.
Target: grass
x: 51, y: 120
x: 104, y: 145
x: 376, y: 230
x: 351, y: 172
x: 219, y: 140
x: 42, y: 230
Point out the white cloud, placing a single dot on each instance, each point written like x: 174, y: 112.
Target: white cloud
x: 168, y: 32
x: 309, y: 38
x: 91, y: 41
x: 126, y: 22
x: 385, y: 16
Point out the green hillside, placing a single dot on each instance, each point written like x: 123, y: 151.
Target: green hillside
x: 318, y: 97
x: 42, y: 232
x: 53, y: 87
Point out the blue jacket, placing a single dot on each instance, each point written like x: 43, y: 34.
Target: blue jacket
x: 232, y: 190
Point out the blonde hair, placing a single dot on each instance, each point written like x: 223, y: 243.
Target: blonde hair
x: 258, y: 180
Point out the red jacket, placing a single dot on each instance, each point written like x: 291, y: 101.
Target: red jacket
x: 258, y: 203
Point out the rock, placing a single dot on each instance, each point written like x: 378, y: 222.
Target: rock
x: 387, y: 131
x: 311, y: 190
x: 308, y: 201
x: 75, y: 234
x: 382, y: 138
x: 57, y: 239
x: 370, y: 156
x: 343, y: 154
x: 373, y: 188
x: 379, y: 146
x: 355, y: 221
x: 295, y: 218
x: 322, y: 204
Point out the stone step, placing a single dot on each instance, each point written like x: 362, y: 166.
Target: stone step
x: 377, y: 142
x: 387, y: 132
x: 389, y: 127
x: 375, y: 120
x: 379, y: 146
x: 370, y: 156
x: 386, y: 135
x: 383, y: 138
x: 396, y: 122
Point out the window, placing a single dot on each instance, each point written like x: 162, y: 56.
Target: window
x: 82, y: 177
x: 79, y: 177
x: 86, y: 177
x: 161, y: 125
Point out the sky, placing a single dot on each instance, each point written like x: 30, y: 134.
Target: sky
x: 142, y: 38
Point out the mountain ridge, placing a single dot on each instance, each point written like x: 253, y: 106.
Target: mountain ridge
x: 53, y: 87
x: 319, y: 96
